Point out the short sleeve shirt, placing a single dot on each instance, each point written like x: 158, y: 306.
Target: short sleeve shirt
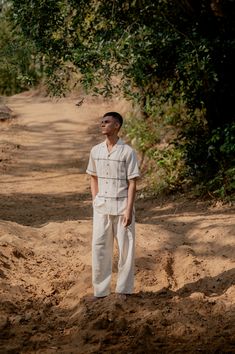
x: 113, y: 170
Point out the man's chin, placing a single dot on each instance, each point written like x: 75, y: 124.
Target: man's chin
x: 104, y: 132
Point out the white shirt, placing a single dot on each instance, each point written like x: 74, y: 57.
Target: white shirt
x: 113, y: 170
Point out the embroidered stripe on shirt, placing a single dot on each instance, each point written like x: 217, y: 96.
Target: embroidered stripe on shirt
x: 116, y: 198
x: 103, y: 159
x: 115, y: 178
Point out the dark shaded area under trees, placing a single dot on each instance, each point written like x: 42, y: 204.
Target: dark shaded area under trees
x: 175, y: 59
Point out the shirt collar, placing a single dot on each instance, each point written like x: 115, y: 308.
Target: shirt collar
x: 118, y: 144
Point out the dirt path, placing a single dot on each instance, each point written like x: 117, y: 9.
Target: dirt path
x: 185, y: 255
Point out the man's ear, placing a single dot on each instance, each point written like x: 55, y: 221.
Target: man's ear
x: 118, y: 125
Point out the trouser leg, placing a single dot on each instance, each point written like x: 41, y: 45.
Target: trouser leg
x: 102, y: 250
x: 126, y: 246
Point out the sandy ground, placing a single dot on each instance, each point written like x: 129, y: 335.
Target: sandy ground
x: 184, y: 299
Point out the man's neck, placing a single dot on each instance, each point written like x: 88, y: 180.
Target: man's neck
x: 111, y: 141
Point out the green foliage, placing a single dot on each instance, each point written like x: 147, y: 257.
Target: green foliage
x: 19, y: 65
x: 210, y: 157
x: 187, y: 46
x: 163, y: 163
x: 167, y: 173
x: 221, y: 149
x: 179, y: 152
x: 144, y: 134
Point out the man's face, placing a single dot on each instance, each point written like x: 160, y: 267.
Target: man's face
x: 109, y: 125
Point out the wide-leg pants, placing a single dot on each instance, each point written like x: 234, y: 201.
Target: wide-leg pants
x: 105, y: 229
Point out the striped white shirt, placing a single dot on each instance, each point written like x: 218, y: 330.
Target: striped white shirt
x: 113, y: 170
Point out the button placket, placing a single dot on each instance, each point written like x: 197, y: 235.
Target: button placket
x: 107, y: 174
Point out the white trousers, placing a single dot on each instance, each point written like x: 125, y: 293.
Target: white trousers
x: 105, y: 229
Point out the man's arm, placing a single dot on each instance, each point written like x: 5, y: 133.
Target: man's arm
x: 94, y: 186
x: 127, y: 217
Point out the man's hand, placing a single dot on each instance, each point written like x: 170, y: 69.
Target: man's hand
x: 127, y: 218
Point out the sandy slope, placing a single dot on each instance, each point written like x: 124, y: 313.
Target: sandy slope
x: 185, y: 255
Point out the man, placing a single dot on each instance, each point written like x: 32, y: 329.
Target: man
x: 113, y: 168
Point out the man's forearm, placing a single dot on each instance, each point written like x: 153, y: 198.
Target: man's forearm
x: 94, y: 186
x: 131, y: 195
x: 127, y: 217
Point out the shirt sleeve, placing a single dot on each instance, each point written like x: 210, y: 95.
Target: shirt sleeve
x: 132, y: 166
x: 91, y: 168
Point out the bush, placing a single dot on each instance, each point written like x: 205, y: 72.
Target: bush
x: 179, y: 152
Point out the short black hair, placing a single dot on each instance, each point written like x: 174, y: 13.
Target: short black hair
x: 116, y: 116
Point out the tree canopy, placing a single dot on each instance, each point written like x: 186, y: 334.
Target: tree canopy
x: 177, y: 51
x: 187, y: 45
